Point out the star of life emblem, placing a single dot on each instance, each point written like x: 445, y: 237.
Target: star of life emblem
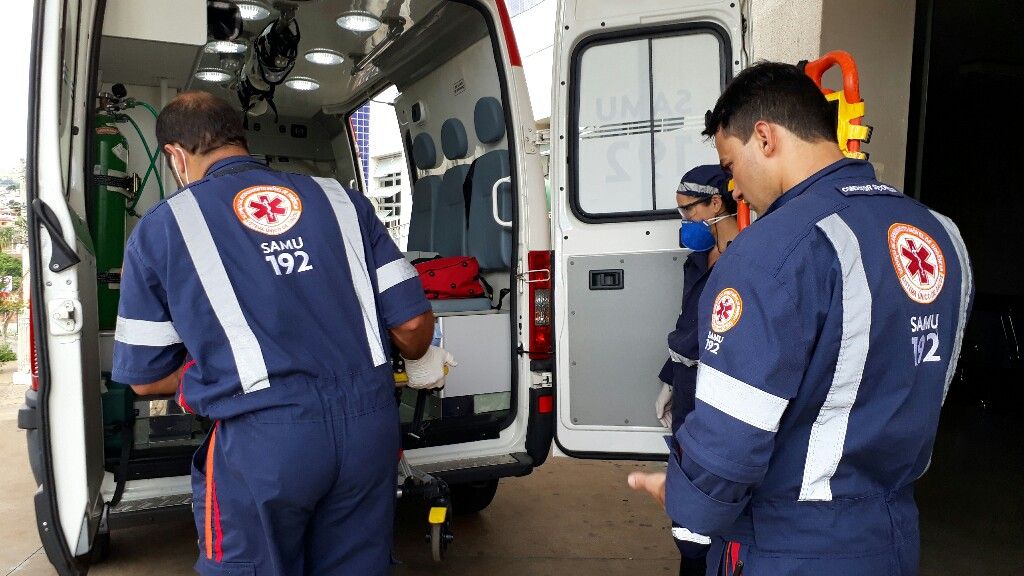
x: 918, y: 261
x: 270, y: 210
x: 726, y: 311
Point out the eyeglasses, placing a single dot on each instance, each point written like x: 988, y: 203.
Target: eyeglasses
x: 687, y: 207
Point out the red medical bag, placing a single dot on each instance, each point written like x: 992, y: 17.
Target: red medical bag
x: 453, y: 277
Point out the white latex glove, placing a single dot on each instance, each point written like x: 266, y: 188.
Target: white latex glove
x: 429, y: 371
x: 663, y: 406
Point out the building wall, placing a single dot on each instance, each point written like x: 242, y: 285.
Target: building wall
x: 784, y: 30
x: 880, y: 35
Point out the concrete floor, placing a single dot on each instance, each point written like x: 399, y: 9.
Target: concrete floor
x: 577, y: 517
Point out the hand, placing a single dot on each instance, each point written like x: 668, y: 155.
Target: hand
x: 429, y: 371
x: 652, y: 483
x: 663, y: 406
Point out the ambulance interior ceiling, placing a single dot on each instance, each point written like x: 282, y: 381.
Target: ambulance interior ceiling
x: 414, y: 38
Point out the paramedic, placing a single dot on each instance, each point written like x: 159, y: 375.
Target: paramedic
x: 709, y: 225
x: 831, y: 332
x: 267, y: 302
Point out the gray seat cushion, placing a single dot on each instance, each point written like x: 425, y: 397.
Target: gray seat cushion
x: 460, y: 305
x: 449, y: 218
x: 454, y: 141
x: 487, y: 241
x: 488, y: 120
x: 425, y: 194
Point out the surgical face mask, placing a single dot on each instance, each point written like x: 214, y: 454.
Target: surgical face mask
x: 697, y: 236
x: 181, y: 182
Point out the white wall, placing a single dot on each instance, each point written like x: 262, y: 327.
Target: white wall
x: 785, y: 30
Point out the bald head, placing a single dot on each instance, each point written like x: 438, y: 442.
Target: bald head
x: 200, y: 123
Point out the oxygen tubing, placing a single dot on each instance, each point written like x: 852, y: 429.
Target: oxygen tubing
x: 148, y: 107
x: 152, y: 164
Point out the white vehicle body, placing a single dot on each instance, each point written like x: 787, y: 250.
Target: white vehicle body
x: 631, y: 82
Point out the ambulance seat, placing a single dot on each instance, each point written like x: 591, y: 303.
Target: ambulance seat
x: 489, y: 242
x: 425, y: 195
x: 449, y: 221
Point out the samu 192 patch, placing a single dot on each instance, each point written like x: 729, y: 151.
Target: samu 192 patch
x: 270, y: 210
x: 727, y: 310
x: 918, y: 261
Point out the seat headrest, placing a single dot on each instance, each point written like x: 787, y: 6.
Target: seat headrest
x: 424, y: 153
x: 489, y: 120
x: 454, y: 141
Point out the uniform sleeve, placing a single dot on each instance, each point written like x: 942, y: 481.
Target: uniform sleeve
x: 146, y: 345
x: 399, y: 292
x: 754, y: 350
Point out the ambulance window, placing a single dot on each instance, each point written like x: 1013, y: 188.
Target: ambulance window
x: 639, y: 114
x: 382, y: 165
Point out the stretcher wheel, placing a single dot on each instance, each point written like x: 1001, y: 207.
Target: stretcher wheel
x: 441, y: 536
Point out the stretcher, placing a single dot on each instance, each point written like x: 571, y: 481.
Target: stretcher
x: 418, y: 484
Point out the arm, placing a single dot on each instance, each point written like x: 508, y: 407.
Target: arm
x: 413, y: 337
x: 163, y: 387
x: 751, y: 367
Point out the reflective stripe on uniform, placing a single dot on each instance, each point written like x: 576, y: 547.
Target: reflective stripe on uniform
x: 680, y: 359
x: 245, y: 348
x: 966, y: 281
x: 685, y: 187
x: 740, y: 400
x: 394, y: 273
x: 145, y: 332
x: 828, y: 433
x: 680, y: 533
x: 348, y: 222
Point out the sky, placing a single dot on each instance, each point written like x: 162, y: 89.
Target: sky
x: 15, y: 43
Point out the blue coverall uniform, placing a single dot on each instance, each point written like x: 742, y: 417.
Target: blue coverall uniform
x: 680, y: 372
x: 281, y: 288
x: 831, y: 329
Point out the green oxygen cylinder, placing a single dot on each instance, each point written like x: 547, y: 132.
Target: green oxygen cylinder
x: 109, y: 213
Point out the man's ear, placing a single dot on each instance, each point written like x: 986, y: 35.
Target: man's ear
x: 766, y: 137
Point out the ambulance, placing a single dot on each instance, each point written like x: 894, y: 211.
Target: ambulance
x: 566, y: 345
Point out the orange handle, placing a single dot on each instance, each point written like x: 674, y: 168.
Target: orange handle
x: 851, y: 81
x: 743, y: 215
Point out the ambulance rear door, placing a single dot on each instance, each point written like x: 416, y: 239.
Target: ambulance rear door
x: 632, y: 82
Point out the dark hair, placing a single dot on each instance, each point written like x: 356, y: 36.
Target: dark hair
x: 729, y: 202
x: 775, y: 92
x: 200, y: 122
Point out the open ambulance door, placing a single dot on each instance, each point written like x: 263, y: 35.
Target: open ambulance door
x: 632, y: 83
x: 62, y: 414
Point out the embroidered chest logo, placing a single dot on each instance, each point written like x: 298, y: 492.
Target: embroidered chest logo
x: 727, y: 310
x: 918, y: 261
x: 270, y: 210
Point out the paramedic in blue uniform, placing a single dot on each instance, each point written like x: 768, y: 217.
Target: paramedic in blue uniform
x: 831, y: 329
x: 709, y: 225
x: 268, y: 302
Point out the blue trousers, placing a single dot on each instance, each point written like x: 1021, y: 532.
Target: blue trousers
x: 303, y: 488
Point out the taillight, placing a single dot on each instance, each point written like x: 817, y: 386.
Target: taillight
x: 510, y: 35
x: 542, y: 307
x: 33, y: 359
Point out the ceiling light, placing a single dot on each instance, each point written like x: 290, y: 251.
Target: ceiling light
x: 252, y: 11
x: 212, y: 75
x: 225, y: 47
x: 302, y: 83
x: 358, y: 21
x: 324, y: 56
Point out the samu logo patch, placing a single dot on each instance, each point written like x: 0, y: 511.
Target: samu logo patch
x: 727, y: 310
x: 270, y: 210
x: 918, y: 261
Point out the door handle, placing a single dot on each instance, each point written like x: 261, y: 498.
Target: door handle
x: 494, y: 202
x: 62, y: 256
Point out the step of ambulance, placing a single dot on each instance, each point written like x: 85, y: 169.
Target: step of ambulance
x: 483, y: 468
x: 137, y: 512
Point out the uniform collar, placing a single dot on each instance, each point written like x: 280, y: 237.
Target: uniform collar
x: 845, y: 168
x: 229, y: 161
